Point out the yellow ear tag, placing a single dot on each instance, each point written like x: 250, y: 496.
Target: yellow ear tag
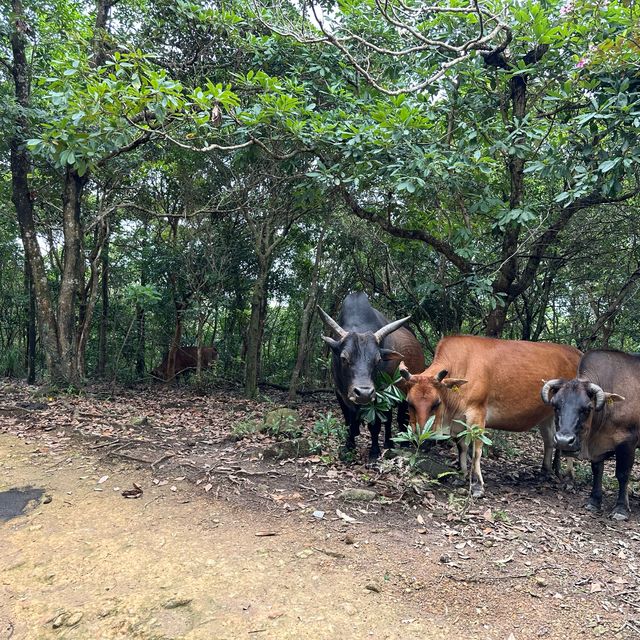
x: 609, y: 400
x: 456, y: 388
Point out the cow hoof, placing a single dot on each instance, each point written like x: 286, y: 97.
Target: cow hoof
x: 372, y: 460
x: 620, y: 514
x: 373, y: 456
x: 593, y: 506
x: 388, y: 445
x: 545, y: 475
x: 477, y: 491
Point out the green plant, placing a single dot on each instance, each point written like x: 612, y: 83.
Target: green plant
x: 473, y: 432
x: 325, y: 429
x: 582, y: 472
x: 502, y: 443
x: 206, y: 381
x: 501, y: 516
x: 244, y: 428
x: 286, y: 428
x: 11, y: 363
x: 388, y: 395
x: 416, y: 436
x: 347, y: 455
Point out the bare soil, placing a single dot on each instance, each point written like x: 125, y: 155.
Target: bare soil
x: 226, y: 544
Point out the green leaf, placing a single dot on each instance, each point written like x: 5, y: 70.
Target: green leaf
x: 607, y: 165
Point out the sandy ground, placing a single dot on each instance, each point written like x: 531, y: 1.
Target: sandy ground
x: 92, y: 564
x: 184, y: 560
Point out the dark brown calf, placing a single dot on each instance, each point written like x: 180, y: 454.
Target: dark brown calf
x: 186, y: 361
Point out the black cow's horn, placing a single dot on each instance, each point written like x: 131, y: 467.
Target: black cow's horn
x: 549, y: 386
x: 595, y: 390
x: 383, y: 332
x: 332, y: 324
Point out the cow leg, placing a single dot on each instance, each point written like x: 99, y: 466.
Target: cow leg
x: 547, y: 431
x: 353, y: 429
x: 624, y: 461
x: 477, y: 483
x: 403, y: 416
x: 595, y: 499
x: 388, y: 444
x: 463, y: 449
x: 374, y: 430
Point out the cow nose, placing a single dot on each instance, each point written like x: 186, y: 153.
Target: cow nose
x: 364, y: 394
x: 563, y: 441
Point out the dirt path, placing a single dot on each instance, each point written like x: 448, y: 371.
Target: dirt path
x: 169, y: 565
x: 184, y: 560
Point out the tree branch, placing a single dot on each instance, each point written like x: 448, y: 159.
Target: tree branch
x: 548, y: 237
x: 441, y: 246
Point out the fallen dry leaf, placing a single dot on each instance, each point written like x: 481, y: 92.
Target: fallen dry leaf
x: 345, y: 517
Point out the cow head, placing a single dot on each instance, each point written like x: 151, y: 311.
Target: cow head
x: 574, y: 402
x: 357, y: 355
x: 425, y: 393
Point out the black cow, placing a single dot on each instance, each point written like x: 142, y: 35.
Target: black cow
x: 365, y: 342
x: 595, y: 421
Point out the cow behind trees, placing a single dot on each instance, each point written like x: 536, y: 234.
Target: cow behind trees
x: 597, y: 415
x: 365, y: 342
x: 492, y: 383
x: 186, y: 361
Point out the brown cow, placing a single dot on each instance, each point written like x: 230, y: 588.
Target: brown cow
x: 598, y: 415
x: 490, y: 383
x: 186, y: 361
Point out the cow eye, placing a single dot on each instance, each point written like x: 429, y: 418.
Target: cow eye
x: 436, y: 404
x: 344, y: 358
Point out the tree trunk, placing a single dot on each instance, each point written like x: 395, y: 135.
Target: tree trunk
x: 508, y: 271
x: 256, y: 329
x: 72, y: 268
x: 62, y: 340
x: 140, y: 344
x: 141, y: 324
x: 31, y: 326
x: 90, y: 295
x: 307, y: 316
x: 21, y: 193
x: 180, y: 309
x: 202, y: 319
x: 104, y: 315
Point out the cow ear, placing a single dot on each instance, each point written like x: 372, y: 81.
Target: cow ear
x: 453, y: 383
x: 404, y: 372
x: 610, y: 398
x: 389, y: 354
x: 334, y: 344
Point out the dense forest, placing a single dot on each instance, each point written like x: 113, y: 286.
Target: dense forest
x: 209, y: 171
